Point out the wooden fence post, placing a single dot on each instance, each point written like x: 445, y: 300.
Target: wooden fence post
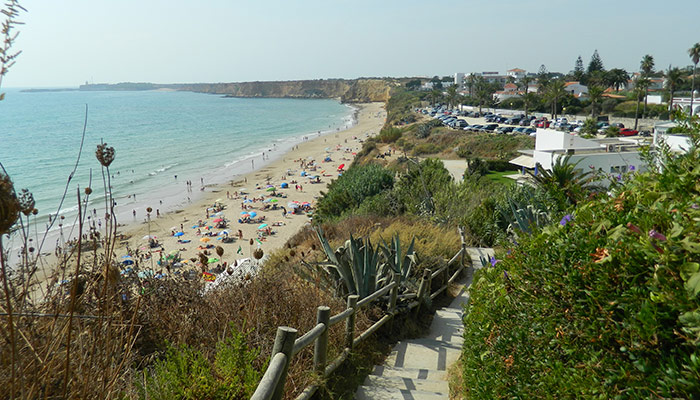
x: 394, y: 293
x: 350, y: 322
x: 323, y: 316
x: 284, y: 343
x: 422, y: 288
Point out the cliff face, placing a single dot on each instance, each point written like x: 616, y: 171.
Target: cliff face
x: 349, y: 91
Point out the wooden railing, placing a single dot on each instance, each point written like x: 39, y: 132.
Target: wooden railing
x: 287, y: 344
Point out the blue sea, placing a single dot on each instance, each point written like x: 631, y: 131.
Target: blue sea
x: 157, y: 135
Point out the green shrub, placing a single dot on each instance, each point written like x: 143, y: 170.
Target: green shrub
x: 389, y: 134
x: 603, y: 304
x: 184, y: 372
x: 425, y: 148
x: 351, y: 189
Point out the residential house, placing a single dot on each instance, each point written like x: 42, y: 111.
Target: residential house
x: 576, y: 89
x: 516, y: 73
x: 611, y: 156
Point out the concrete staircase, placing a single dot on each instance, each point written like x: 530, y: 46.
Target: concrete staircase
x: 417, y: 368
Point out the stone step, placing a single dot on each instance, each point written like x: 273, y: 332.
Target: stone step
x: 412, y: 373
x: 424, y: 353
x: 380, y: 393
x: 404, y: 383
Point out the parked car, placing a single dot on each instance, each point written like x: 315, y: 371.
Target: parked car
x: 488, y: 128
x: 628, y: 132
x: 504, y: 129
x: 543, y: 124
x: 460, y: 123
x: 513, y: 121
x: 474, y: 128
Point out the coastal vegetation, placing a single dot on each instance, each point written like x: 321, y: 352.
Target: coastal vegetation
x: 602, y: 303
x: 593, y: 293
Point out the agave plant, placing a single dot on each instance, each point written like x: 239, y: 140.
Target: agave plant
x: 525, y: 217
x: 357, y: 265
x: 398, y: 263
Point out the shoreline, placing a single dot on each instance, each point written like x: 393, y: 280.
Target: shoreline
x: 285, y: 166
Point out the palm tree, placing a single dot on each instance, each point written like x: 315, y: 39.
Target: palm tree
x: 617, y: 77
x: 451, y: 96
x: 595, y: 93
x: 471, y: 81
x: 554, y: 92
x: 694, y: 53
x: 435, y: 94
x: 565, y: 181
x: 674, y: 78
x: 647, y: 67
x: 524, y: 83
x: 641, y: 84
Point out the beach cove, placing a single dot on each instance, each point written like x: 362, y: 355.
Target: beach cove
x: 187, y: 231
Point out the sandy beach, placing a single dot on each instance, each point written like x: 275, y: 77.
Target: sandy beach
x: 260, y: 195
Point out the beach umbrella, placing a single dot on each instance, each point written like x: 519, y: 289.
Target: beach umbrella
x: 273, y: 200
x: 284, y: 185
x: 271, y: 189
x: 303, y: 173
x: 341, y: 166
x: 126, y: 256
x: 248, y: 201
x: 306, y: 203
x: 128, y: 262
x: 293, y: 205
x: 204, y: 239
x: 218, y: 220
x: 148, y: 237
x: 178, y: 234
x: 252, y: 214
x: 223, y: 233
x: 267, y: 200
x: 269, y: 186
x: 213, y: 260
x: 244, y: 212
x: 218, y: 200
x: 246, y: 215
x: 262, y: 226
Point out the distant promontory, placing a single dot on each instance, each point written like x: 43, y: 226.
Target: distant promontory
x: 347, y: 90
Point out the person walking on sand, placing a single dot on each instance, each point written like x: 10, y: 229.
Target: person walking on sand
x: 284, y: 212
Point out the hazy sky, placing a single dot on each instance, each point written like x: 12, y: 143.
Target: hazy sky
x: 68, y: 42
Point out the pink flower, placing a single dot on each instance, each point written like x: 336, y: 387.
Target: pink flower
x: 657, y: 235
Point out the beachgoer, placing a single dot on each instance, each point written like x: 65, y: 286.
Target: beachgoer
x: 134, y: 212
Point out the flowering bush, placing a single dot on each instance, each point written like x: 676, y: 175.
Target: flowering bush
x: 602, y: 304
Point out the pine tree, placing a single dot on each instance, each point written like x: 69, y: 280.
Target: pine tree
x: 596, y: 63
x: 578, y: 69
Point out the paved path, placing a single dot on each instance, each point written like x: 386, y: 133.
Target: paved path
x: 417, y: 368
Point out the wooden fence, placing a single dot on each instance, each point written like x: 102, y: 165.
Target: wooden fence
x: 287, y: 344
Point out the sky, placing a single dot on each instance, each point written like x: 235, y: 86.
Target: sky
x: 69, y: 42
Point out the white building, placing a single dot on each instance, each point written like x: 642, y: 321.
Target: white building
x: 576, y: 89
x: 609, y: 155
x: 459, y: 79
x: 516, y: 73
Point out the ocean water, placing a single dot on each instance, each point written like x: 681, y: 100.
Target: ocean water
x: 156, y: 135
